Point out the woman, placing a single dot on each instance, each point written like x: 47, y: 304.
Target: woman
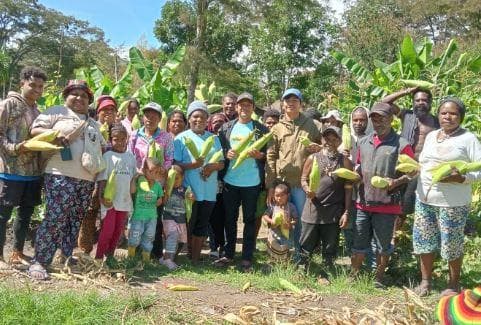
x: 442, y: 208
x: 176, y: 122
x: 68, y: 184
x: 132, y: 110
x: 106, y: 113
x: 200, y: 176
x: 139, y: 146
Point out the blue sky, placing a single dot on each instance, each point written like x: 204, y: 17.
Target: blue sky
x: 124, y: 22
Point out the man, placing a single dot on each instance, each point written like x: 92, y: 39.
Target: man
x: 377, y: 209
x: 286, y: 155
x: 20, y: 183
x: 229, y: 102
x: 242, y: 185
x: 416, y: 124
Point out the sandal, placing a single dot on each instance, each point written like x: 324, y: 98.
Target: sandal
x: 222, y: 262
x: 423, y: 289
x: 37, y: 272
x: 18, y: 259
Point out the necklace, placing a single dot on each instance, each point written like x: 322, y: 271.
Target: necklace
x: 329, y: 164
x: 443, y: 135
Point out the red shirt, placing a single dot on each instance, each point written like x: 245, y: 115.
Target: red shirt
x: 388, y: 208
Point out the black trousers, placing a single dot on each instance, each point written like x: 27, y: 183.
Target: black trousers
x: 158, y: 244
x: 326, y: 235
x: 217, y: 224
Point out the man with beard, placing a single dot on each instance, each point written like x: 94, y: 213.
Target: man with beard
x: 416, y: 124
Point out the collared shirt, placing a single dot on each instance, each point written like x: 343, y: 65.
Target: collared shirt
x: 139, y: 146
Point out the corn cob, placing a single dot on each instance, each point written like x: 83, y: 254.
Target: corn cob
x: 407, y: 167
x: 182, y: 287
x: 403, y: 159
x: 458, y: 164
x: 257, y: 145
x: 155, y: 151
x: 123, y: 106
x: 278, y: 218
x: 47, y: 136
x: 163, y: 121
x: 109, y: 190
x: 216, y: 157
x: 34, y: 145
x: 144, y: 184
x: 470, y: 167
x: 346, y: 137
x: 188, y: 203
x: 136, y: 123
x: 314, y: 176
x: 439, y: 173
x: 207, y: 146
x: 289, y: 286
x: 285, y: 230
x: 170, y: 181
x: 246, y: 286
x: 243, y: 143
x: 417, y: 83
x: 191, y: 147
x: 347, y: 174
x: 305, y: 141
x: 104, y: 130
x: 379, y: 182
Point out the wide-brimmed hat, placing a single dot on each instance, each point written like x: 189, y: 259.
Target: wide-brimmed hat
x: 463, y: 308
x: 78, y: 84
x: 333, y: 113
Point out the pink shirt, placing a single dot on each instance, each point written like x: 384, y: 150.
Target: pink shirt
x: 139, y: 145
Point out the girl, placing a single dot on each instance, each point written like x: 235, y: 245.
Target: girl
x: 148, y: 196
x: 114, y: 212
x: 174, y: 221
x: 278, y: 234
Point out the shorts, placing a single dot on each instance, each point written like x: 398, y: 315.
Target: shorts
x: 20, y: 193
x: 439, y: 228
x: 172, y: 226
x: 371, y: 225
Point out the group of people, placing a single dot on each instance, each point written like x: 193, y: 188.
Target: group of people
x: 273, y: 184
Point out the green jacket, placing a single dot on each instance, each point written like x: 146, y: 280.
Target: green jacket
x: 286, y: 155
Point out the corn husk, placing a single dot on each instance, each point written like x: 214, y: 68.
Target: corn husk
x: 33, y: 145
x: 155, y: 151
x: 257, y: 145
x: 346, y: 137
x: 207, y: 146
x: 136, y: 122
x: 104, y: 130
x: 314, y: 176
x: 182, y: 287
x: 289, y: 286
x: 379, y: 182
x: 144, y: 184
x: 418, y: 83
x: 188, y: 203
x: 216, y: 157
x: 346, y: 174
x: 278, y: 218
x: 189, y: 143
x: 163, y: 121
x: 407, y: 167
x: 305, y: 141
x: 405, y: 159
x: 470, y: 167
x: 109, y: 190
x: 47, y: 136
x: 243, y: 143
x: 169, y: 185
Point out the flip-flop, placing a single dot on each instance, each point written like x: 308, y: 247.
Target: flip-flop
x: 37, y: 272
x: 222, y: 262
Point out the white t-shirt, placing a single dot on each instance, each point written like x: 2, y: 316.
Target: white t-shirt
x: 65, y: 120
x: 464, y: 147
x: 124, y: 165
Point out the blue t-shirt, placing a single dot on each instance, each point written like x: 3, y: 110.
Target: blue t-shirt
x: 247, y: 173
x: 204, y: 190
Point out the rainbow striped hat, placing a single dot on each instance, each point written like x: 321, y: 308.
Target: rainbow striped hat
x: 463, y: 308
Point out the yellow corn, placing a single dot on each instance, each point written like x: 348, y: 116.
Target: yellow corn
x: 216, y: 157
x: 439, y: 173
x: 243, y: 143
x: 136, y: 122
x: 191, y: 147
x: 163, y: 121
x: 207, y: 146
x: 246, y: 286
x: 407, y: 167
x: 289, y: 286
x: 405, y: 159
x: 156, y: 151
x: 314, y: 176
x: 417, y: 83
x: 305, y: 141
x: 104, y: 130
x: 170, y: 181
x: 346, y: 174
x: 471, y: 167
x: 379, y: 182
x: 346, y: 137
x: 34, y: 145
x: 257, y: 145
x: 188, y: 204
x: 182, y: 287
x: 109, y: 190
x: 144, y: 184
x: 278, y: 218
x: 47, y: 136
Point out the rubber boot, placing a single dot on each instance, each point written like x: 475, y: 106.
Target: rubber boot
x: 197, y: 243
x: 145, y: 256
x: 131, y: 251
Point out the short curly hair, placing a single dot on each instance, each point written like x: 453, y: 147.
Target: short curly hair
x: 29, y: 72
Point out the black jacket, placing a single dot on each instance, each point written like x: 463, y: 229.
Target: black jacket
x: 224, y: 136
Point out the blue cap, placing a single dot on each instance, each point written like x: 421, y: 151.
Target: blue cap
x: 197, y: 105
x: 292, y: 91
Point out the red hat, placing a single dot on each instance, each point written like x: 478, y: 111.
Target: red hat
x: 106, y: 103
x: 78, y: 84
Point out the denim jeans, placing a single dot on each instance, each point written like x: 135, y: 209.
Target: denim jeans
x: 298, y: 198
x: 142, y: 232
x: 234, y: 196
x: 377, y: 226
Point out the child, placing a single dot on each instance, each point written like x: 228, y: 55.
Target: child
x: 278, y: 234
x: 148, y: 196
x: 114, y: 212
x: 327, y: 207
x: 174, y: 221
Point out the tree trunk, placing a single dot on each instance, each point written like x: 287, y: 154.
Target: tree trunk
x: 198, y: 48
